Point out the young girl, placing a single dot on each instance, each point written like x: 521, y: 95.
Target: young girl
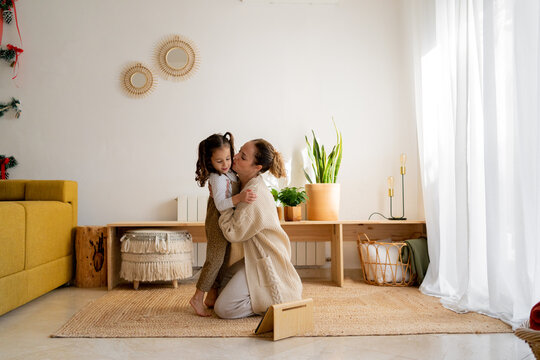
x: 214, y: 165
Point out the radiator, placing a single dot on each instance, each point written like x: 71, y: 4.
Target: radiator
x: 193, y: 208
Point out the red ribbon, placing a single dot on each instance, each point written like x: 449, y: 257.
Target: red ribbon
x: 3, y: 168
x: 14, y: 48
x: 17, y: 21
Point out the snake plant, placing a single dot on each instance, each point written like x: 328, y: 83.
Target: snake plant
x: 325, y: 167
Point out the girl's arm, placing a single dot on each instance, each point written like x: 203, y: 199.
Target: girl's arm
x: 247, y: 196
x: 219, y: 185
x: 220, y: 188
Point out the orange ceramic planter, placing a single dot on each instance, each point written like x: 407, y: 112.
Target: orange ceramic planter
x: 323, y: 201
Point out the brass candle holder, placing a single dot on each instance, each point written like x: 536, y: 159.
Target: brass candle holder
x: 390, y: 180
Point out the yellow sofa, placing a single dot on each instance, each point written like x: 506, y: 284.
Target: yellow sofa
x: 37, y: 226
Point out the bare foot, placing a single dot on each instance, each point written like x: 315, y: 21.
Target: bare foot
x: 211, y: 297
x: 197, y: 305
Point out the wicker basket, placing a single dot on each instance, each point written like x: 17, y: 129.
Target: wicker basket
x: 531, y: 337
x: 155, y: 254
x: 382, y: 263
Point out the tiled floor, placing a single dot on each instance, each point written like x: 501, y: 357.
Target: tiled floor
x: 24, y: 334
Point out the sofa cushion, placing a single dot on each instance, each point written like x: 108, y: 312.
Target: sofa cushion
x: 12, y: 231
x: 12, y: 190
x: 58, y: 190
x: 48, y: 231
x: 55, y: 190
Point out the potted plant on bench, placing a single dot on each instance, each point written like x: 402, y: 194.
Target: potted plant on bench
x: 324, y: 192
x: 291, y: 198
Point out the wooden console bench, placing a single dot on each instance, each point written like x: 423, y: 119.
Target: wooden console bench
x: 334, y: 231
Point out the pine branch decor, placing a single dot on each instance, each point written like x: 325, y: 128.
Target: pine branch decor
x: 6, y: 4
x: 7, y: 54
x: 10, y: 54
x: 6, y: 162
x: 8, y: 16
x: 14, y: 105
x: 7, y: 13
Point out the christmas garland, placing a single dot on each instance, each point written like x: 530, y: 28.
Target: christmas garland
x: 12, y: 105
x: 11, y: 54
x: 8, y: 14
x: 6, y: 163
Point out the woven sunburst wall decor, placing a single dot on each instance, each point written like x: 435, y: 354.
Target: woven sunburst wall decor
x: 138, y: 80
x: 177, y: 57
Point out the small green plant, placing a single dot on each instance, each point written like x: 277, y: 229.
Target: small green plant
x: 275, y: 194
x: 326, y: 168
x: 292, y: 196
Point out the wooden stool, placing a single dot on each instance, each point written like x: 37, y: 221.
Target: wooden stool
x: 91, y: 256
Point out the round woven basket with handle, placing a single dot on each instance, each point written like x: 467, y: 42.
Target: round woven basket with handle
x: 382, y: 263
x: 531, y: 337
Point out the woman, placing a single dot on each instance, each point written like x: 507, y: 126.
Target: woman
x: 266, y: 276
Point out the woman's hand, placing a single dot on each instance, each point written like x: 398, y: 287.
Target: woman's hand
x: 248, y: 196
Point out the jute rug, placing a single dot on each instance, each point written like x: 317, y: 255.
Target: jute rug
x: 354, y: 309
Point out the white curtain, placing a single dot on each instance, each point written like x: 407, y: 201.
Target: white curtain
x: 477, y: 102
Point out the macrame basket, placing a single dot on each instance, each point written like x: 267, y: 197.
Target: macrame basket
x: 531, y: 337
x: 382, y: 263
x: 156, y: 255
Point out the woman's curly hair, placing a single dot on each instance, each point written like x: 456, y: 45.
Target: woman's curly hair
x: 269, y: 158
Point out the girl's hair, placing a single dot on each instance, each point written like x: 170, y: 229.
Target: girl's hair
x: 206, y: 149
x: 269, y: 158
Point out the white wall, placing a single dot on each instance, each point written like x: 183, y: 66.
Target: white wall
x: 267, y: 70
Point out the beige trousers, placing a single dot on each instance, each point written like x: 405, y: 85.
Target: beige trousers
x: 234, y: 301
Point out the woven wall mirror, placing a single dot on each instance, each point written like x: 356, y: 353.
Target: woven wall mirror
x: 138, y: 80
x: 177, y: 57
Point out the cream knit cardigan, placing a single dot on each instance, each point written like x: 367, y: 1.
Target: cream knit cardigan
x: 271, y: 277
